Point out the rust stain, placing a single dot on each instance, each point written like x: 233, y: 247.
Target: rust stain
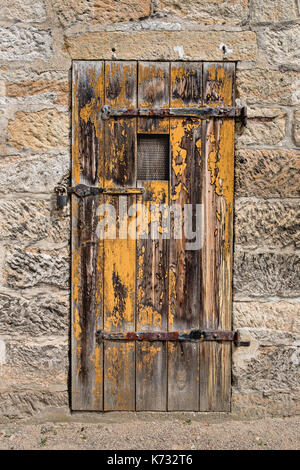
x: 75, y: 147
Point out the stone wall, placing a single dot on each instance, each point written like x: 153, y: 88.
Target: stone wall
x: 39, y: 38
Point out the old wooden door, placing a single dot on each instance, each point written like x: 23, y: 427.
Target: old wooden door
x: 122, y: 285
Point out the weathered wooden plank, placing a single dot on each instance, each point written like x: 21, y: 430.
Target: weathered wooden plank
x: 184, y: 271
x: 153, y: 92
x: 119, y: 375
x: 152, y: 253
x: 186, y: 84
x: 215, y: 358
x: 183, y: 376
x: 87, y: 269
x: 119, y: 253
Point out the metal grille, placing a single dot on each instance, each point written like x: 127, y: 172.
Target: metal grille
x: 153, y: 157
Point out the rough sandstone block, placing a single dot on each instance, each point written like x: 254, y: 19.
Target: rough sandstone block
x: 24, y: 44
x: 162, y: 45
x: 266, y: 275
x: 270, y: 367
x: 39, y: 131
x: 29, y: 88
x: 52, y: 356
x: 260, y: 86
x: 100, y: 11
x: 265, y: 126
x: 273, y: 11
x: 41, y: 314
x: 32, y: 267
x: 33, y: 220
x: 260, y: 404
x: 23, y: 10
x: 43, y: 172
x: 267, y: 173
x: 280, y: 316
x: 24, y: 378
x: 207, y: 11
x: 280, y: 46
x: 271, y: 224
x: 114, y: 11
x: 296, y: 128
x: 27, y: 403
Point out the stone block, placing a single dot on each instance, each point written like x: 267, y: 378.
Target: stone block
x: 162, y: 45
x: 267, y: 173
x: 207, y: 11
x: 265, y: 126
x: 272, y: 11
x: 29, y: 267
x: 40, y: 130
x: 267, y: 223
x: 266, y: 275
x: 43, y: 172
x: 279, y: 316
x: 24, y: 44
x: 41, y: 314
x: 30, y: 219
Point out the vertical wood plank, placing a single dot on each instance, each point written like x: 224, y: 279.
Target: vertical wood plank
x: 184, y: 273
x: 87, y: 255
x: 152, y: 254
x: 186, y: 84
x: 215, y: 358
x: 119, y: 254
x: 153, y: 92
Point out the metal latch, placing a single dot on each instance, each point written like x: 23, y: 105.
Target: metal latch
x: 82, y: 190
x: 192, y: 335
x: 201, y: 112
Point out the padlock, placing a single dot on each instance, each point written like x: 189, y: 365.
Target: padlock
x: 62, y: 197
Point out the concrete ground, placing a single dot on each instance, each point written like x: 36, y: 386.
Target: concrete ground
x: 157, y: 433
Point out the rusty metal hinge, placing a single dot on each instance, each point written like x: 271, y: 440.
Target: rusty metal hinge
x: 192, y: 335
x: 201, y: 112
x: 82, y: 190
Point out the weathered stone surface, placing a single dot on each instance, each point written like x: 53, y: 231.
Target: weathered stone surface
x: 43, y: 172
x: 20, y: 89
x: 265, y: 126
x: 23, y: 10
x: 265, y: 87
x: 41, y: 314
x: 280, y: 46
x: 39, y: 131
x: 74, y: 11
x: 27, y: 403
x: 267, y: 173
x: 266, y: 274
x: 259, y: 404
x: 100, y: 11
x: 207, y: 11
x: 21, y: 378
x: 25, y: 44
x: 33, y: 266
x: 296, y: 128
x: 113, y: 11
x: 272, y: 367
x: 273, y: 10
x: 272, y: 224
x: 154, y: 45
x: 32, y: 220
x: 47, y: 355
x: 280, y: 316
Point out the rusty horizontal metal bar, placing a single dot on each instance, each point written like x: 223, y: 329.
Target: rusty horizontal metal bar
x: 192, y: 335
x: 82, y: 190
x: 201, y: 112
